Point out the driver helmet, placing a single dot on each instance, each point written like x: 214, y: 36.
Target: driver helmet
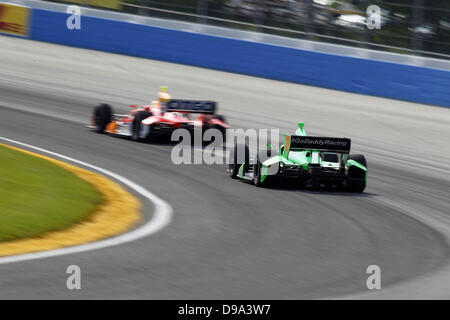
x: 163, y: 95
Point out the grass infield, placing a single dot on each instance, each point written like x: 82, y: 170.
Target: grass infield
x: 37, y: 196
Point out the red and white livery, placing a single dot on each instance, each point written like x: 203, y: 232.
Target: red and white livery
x: 161, y: 117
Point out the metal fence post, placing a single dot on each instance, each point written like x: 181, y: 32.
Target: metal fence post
x: 142, y: 11
x: 310, y: 25
x: 365, y: 37
x: 259, y: 17
x: 417, y: 20
x: 202, y: 10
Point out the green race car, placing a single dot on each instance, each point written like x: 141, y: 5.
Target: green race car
x: 312, y: 161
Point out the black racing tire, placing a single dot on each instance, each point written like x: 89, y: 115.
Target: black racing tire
x: 220, y: 128
x: 257, y: 175
x: 356, y: 178
x: 358, y: 158
x: 220, y: 117
x: 137, y: 125
x: 223, y: 132
x: 235, y: 164
x: 102, y: 115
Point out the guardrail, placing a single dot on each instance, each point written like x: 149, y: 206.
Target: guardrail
x: 120, y: 34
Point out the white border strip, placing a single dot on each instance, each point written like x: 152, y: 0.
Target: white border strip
x: 162, y: 215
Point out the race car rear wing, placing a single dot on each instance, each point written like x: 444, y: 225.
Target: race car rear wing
x: 341, y: 145
x: 191, y: 106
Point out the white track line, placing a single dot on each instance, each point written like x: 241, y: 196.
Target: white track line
x: 162, y: 215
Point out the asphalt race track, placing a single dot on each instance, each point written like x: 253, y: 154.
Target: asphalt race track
x: 229, y: 239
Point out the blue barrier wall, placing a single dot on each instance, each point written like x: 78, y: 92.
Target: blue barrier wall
x: 331, y: 71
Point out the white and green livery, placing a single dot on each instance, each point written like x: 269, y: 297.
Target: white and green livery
x: 313, y: 161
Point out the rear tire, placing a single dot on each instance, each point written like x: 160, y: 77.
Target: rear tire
x: 235, y: 164
x: 219, y: 117
x: 356, y: 179
x: 137, y: 125
x: 102, y: 117
x: 220, y: 128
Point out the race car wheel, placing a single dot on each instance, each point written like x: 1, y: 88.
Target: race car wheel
x: 220, y: 128
x: 219, y: 117
x: 356, y: 179
x: 102, y: 116
x: 257, y: 175
x: 235, y: 162
x: 223, y: 132
x: 137, y: 125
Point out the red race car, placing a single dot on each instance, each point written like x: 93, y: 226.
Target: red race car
x: 162, y: 117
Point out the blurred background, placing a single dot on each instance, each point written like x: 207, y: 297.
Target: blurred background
x: 419, y: 27
x: 231, y: 240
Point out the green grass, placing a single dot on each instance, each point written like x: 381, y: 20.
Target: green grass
x: 37, y: 196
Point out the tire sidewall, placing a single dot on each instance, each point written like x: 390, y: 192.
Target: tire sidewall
x: 357, y: 182
x: 102, y: 116
x: 137, y: 125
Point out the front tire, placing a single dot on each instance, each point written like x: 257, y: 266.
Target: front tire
x: 137, y: 126
x: 257, y: 175
x: 236, y: 162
